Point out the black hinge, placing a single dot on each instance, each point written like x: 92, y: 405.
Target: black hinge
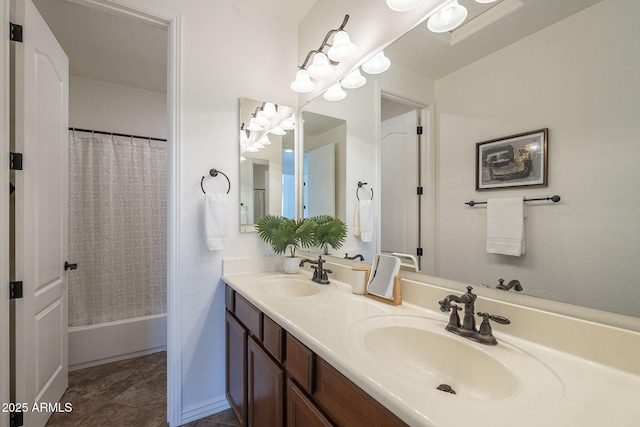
x: 15, y: 32
x: 15, y: 290
x: 419, y: 130
x: 419, y: 251
x: 15, y: 161
x: 420, y: 191
x: 16, y: 419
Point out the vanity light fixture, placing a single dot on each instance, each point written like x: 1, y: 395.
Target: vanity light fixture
x: 403, y: 5
x: 353, y: 80
x: 322, y: 65
x: 448, y: 17
x: 334, y: 93
x: 376, y: 65
x: 275, y: 121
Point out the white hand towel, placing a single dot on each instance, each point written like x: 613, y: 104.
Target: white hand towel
x: 367, y: 223
x: 505, y: 226
x: 215, y: 221
x: 356, y: 218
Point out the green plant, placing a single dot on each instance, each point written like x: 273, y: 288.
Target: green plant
x: 283, y: 233
x: 328, y: 231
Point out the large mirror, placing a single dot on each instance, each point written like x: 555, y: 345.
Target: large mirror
x: 517, y: 66
x: 267, y: 158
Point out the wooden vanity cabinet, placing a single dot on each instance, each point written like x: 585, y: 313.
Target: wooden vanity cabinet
x: 274, y: 380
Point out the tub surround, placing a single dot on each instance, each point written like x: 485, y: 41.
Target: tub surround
x: 594, y: 377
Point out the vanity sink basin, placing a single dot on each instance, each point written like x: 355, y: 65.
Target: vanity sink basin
x: 292, y: 287
x: 420, y: 351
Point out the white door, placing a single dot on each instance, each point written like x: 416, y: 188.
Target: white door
x: 40, y: 69
x: 321, y: 181
x: 399, y: 182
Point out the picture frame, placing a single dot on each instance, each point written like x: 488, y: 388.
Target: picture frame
x: 513, y: 161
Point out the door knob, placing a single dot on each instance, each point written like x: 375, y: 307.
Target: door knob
x: 68, y: 266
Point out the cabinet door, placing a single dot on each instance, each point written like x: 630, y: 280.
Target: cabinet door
x: 265, y: 387
x: 236, y: 367
x: 301, y: 412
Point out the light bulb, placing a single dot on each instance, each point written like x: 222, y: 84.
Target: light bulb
x: 302, y: 83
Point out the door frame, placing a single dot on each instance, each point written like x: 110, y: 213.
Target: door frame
x: 155, y: 15
x: 426, y: 173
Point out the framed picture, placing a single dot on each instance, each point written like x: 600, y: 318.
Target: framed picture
x: 513, y: 161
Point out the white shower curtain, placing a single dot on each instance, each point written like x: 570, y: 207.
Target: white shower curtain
x: 117, y: 228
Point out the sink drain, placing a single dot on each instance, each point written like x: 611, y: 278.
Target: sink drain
x: 446, y: 388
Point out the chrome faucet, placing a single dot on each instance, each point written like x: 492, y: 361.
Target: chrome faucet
x: 468, y: 327
x: 320, y: 274
x: 514, y: 284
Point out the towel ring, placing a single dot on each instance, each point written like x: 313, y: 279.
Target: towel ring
x: 214, y: 173
x: 360, y: 185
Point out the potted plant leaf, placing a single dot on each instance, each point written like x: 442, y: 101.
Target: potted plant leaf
x: 328, y: 232
x: 285, y: 236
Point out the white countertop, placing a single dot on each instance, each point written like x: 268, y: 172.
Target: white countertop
x: 580, y: 392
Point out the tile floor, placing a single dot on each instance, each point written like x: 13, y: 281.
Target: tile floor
x: 130, y: 392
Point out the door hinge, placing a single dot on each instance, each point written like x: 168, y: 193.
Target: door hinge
x: 15, y: 161
x: 15, y: 32
x: 420, y: 191
x: 15, y: 290
x: 419, y: 130
x: 419, y: 251
x: 16, y: 419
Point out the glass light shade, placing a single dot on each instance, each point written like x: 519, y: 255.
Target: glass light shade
x: 262, y: 120
x: 264, y: 140
x: 342, y: 47
x: 242, y: 159
x: 257, y: 145
x: 302, y: 83
x: 278, y: 131
x: 334, y: 93
x: 376, y: 65
x: 403, y: 5
x: 254, y: 125
x: 269, y: 110
x: 485, y: 1
x: 288, y: 124
x: 252, y: 149
x: 320, y: 66
x: 447, y: 18
x: 353, y: 80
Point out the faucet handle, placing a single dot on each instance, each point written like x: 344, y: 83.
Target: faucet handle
x: 498, y: 319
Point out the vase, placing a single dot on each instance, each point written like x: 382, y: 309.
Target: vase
x: 291, y: 265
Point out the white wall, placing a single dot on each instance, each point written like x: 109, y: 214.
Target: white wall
x: 584, y: 249
x: 110, y: 107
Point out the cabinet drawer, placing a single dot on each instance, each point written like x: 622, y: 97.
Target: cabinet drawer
x: 250, y: 316
x: 273, y: 338
x: 300, y: 363
x: 332, y: 390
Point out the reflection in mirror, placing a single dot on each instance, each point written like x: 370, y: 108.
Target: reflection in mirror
x: 384, y: 280
x: 266, y: 161
x: 539, y: 66
x: 324, y: 162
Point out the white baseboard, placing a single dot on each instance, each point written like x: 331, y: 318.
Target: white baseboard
x: 109, y: 342
x: 204, y: 409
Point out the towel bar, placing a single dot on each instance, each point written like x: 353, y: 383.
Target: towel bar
x: 360, y: 185
x: 554, y: 199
